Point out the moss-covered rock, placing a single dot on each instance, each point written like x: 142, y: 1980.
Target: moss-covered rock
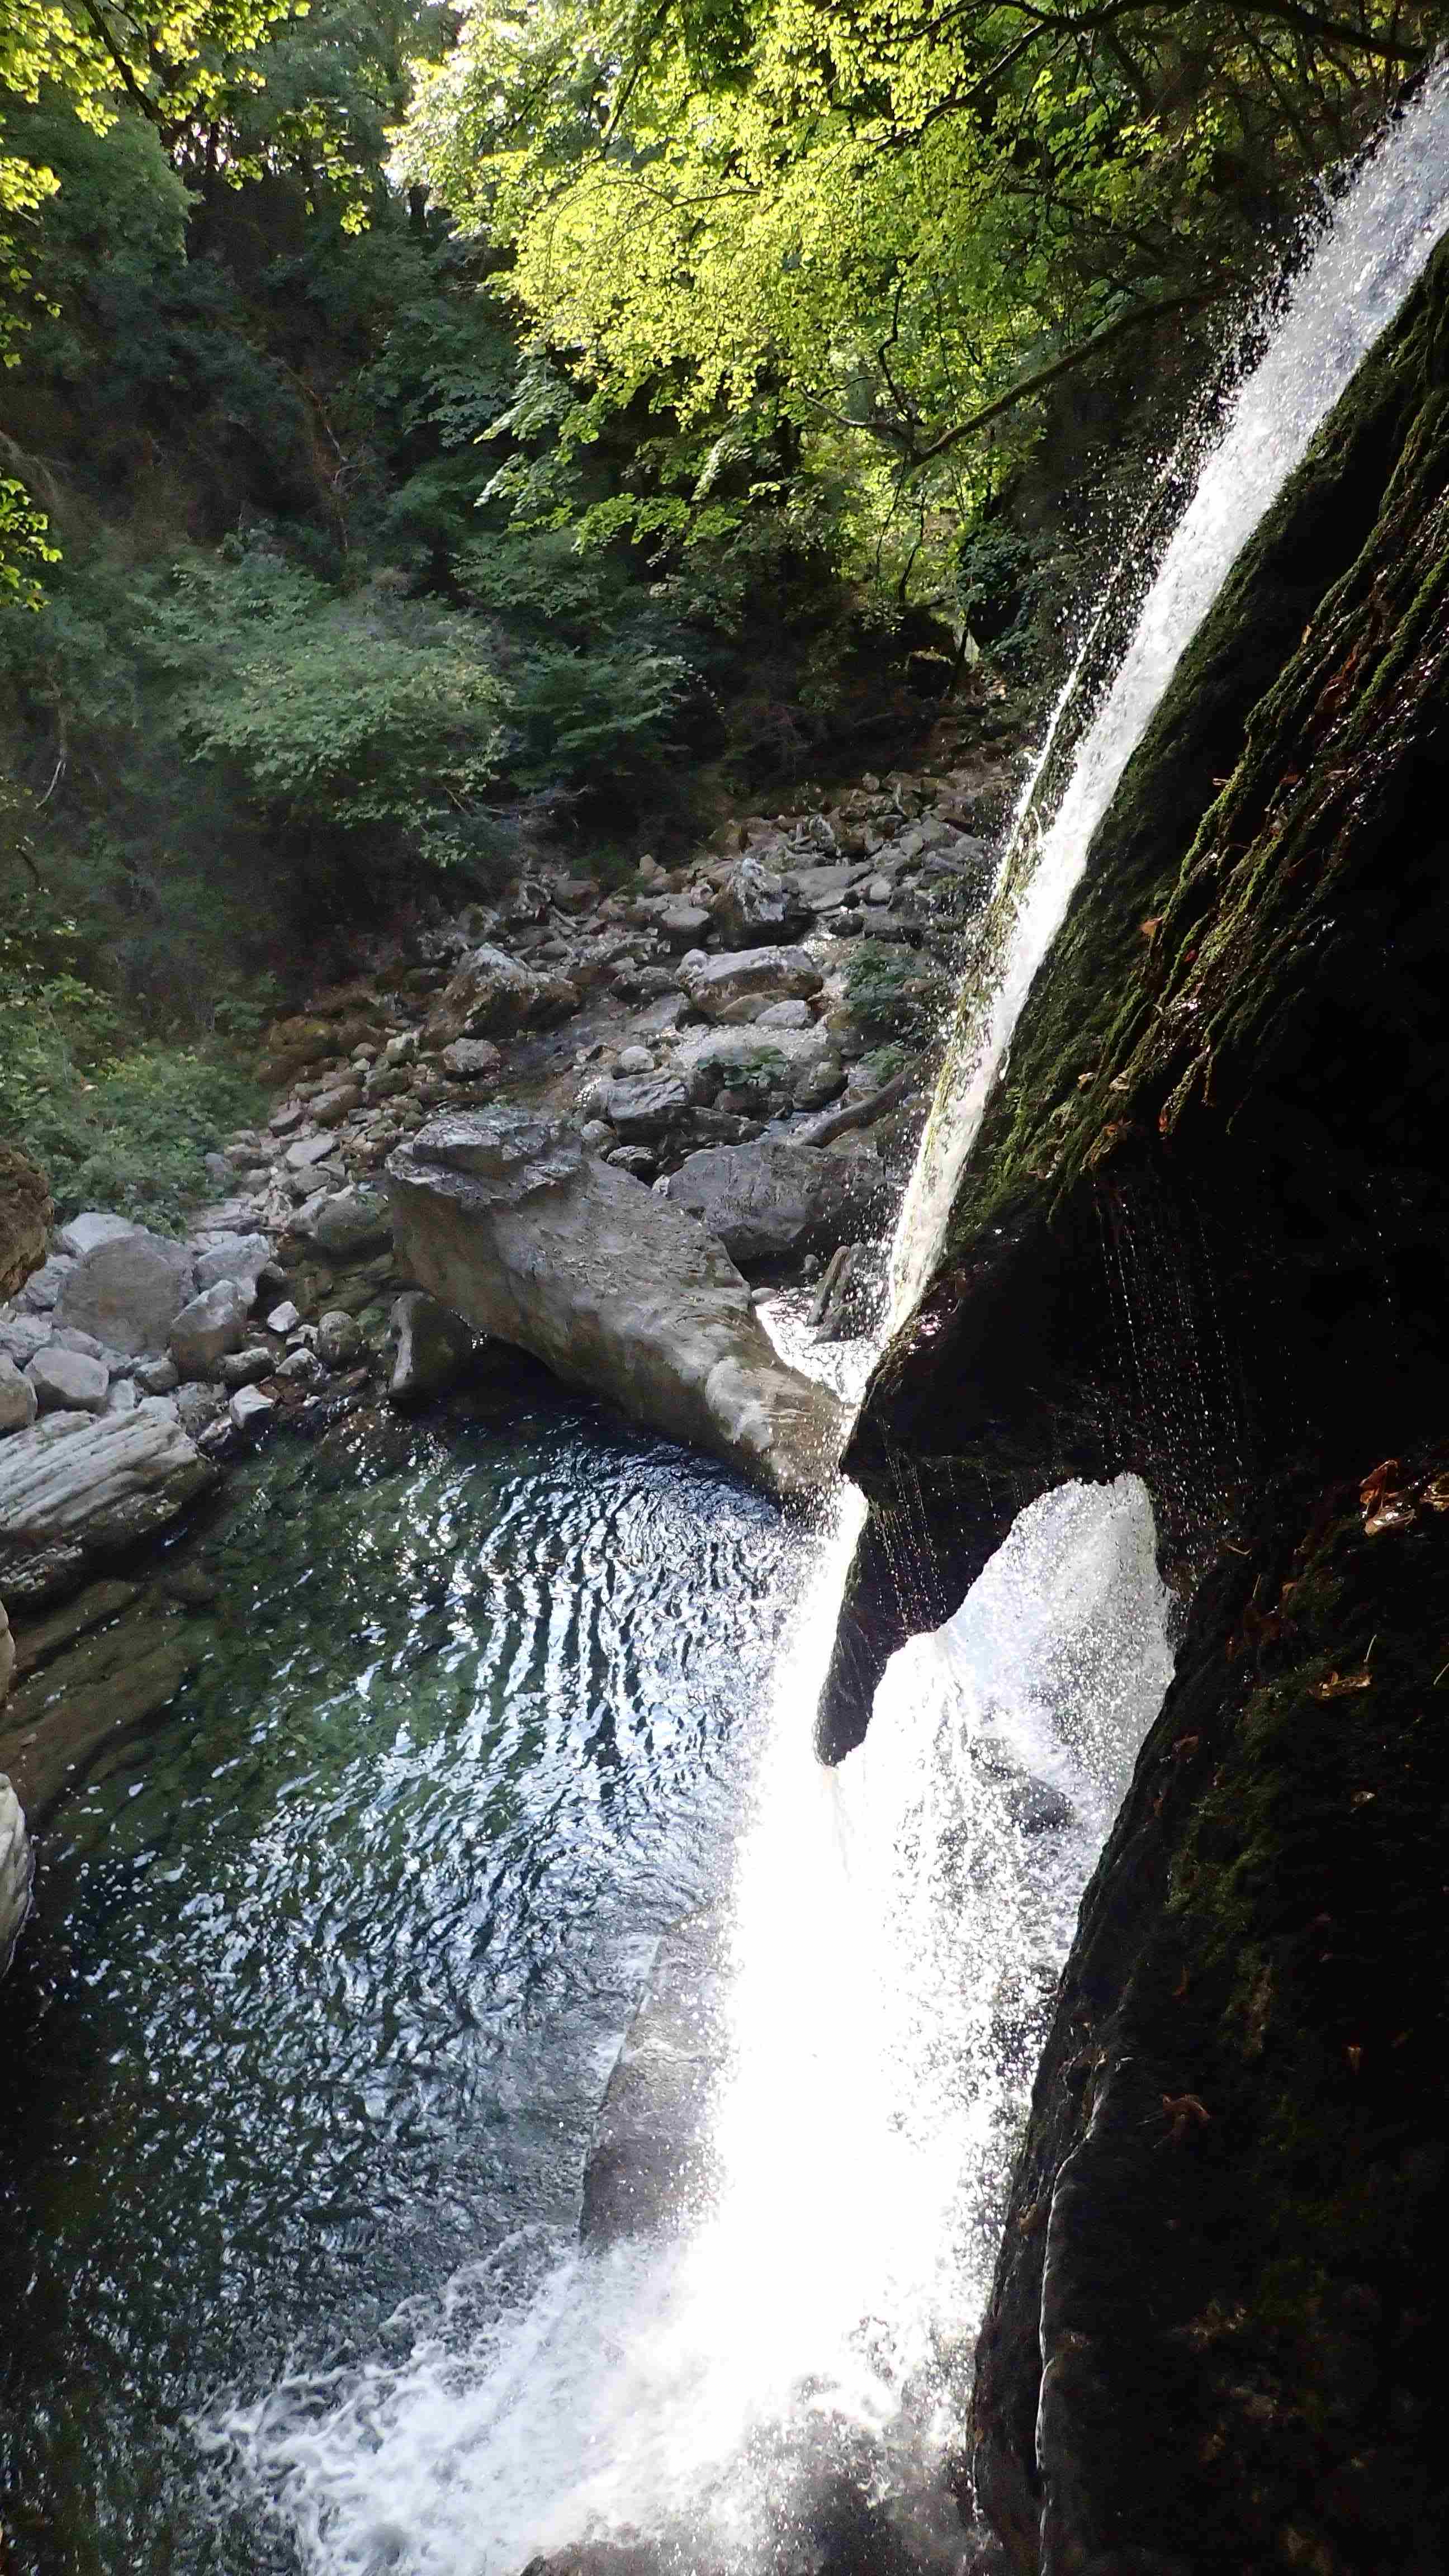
x: 1215, y: 2328
x: 1206, y: 1217
x: 1204, y: 1236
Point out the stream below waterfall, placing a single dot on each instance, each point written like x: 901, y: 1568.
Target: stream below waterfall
x: 328, y: 1972
x: 306, y: 2041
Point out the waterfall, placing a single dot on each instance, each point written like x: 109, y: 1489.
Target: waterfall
x: 896, y: 1925
x: 896, y: 1930
x: 1363, y: 265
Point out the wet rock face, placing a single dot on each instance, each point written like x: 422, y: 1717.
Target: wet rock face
x: 1204, y: 1236
x: 429, y: 1349
x: 771, y: 1201
x: 1190, y: 1165
x: 649, y: 2167
x: 493, y: 996
x: 1214, y: 2331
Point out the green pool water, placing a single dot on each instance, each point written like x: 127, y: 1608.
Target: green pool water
x: 327, y: 1972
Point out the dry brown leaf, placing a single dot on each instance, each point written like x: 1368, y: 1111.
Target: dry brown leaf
x: 1379, y: 1481
x: 1338, y: 1685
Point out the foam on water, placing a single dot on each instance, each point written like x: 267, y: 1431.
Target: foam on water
x: 1367, y: 258
x: 896, y: 1929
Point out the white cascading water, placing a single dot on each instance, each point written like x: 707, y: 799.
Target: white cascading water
x: 896, y: 1930
x: 1379, y: 240
x: 895, y: 1927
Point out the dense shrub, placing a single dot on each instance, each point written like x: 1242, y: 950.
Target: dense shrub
x: 115, y: 1129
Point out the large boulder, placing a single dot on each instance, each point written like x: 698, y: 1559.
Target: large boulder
x: 79, y: 1487
x: 510, y: 1222
x: 773, y: 1201
x: 428, y: 1348
x: 492, y: 996
x: 242, y: 1257
x: 92, y: 1226
x: 86, y: 1695
x: 25, y: 1214
x: 16, y: 1869
x: 756, y: 909
x: 127, y: 1290
x: 747, y: 1060
x: 352, y: 1221
x: 748, y: 974
x: 209, y: 1327
x: 68, y: 1381
x: 645, y: 1106
x: 16, y: 1862
x: 19, y: 1402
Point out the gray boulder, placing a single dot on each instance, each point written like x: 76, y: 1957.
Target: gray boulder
x: 250, y: 1410
x: 471, y: 1059
x: 747, y: 1060
x: 128, y: 1290
x: 428, y: 1348
x: 642, y: 1109
x: 94, y: 1226
x: 308, y: 1151
x: 243, y: 1368
x: 41, y: 1292
x: 19, y: 1402
x: 492, y: 996
x: 756, y: 909
x: 68, y: 1381
x: 747, y: 974
x: 77, y: 1487
x: 21, y: 1336
x: 683, y: 924
x: 197, y: 1407
x: 209, y: 1327
x: 242, y: 1257
x: 355, y: 1220
x: 339, y: 1338
x: 511, y: 1223
x: 774, y: 1200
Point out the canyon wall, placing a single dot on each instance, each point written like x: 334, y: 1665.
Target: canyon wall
x: 1204, y: 1236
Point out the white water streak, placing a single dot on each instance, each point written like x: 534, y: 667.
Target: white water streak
x: 1376, y: 245
x: 896, y: 1931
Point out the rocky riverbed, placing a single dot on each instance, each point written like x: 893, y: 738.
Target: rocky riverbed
x: 700, y: 1086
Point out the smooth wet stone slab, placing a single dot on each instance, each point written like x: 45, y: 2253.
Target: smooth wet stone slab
x: 103, y: 1689
x: 649, y: 2167
x: 39, y: 1641
x: 78, y: 1487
